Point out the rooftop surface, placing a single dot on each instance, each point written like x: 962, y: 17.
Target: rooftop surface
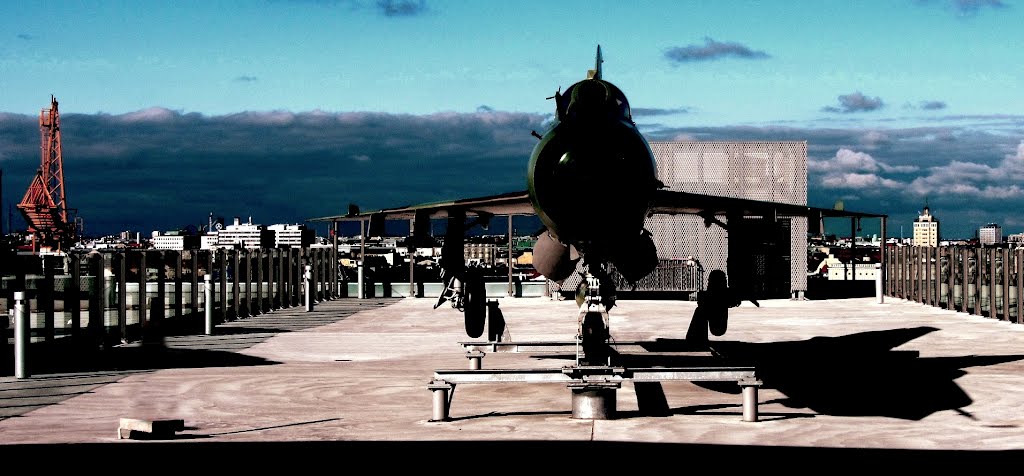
x: 842, y: 378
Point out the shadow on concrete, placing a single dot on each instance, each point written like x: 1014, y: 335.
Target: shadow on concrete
x: 67, y: 356
x: 861, y: 374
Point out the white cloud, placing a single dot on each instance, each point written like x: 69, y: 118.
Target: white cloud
x: 153, y: 114
x: 684, y: 137
x: 873, y: 138
x: 973, y: 180
x: 847, y: 160
x: 859, y: 181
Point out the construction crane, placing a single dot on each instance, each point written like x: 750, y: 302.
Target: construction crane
x: 45, y: 205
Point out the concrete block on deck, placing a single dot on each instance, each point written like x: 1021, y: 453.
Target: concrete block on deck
x: 138, y: 429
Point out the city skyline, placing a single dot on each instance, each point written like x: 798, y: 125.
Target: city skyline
x: 288, y: 110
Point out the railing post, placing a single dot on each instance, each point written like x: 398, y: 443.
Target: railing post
x: 282, y: 278
x: 222, y: 260
x: 194, y: 289
x: 122, y: 294
x: 951, y: 272
x: 360, y: 287
x: 271, y: 277
x: 179, y: 285
x: 258, y: 308
x: 152, y: 329
x: 247, y: 302
x: 1018, y: 254
x: 926, y: 254
x: 72, y: 294
x: 967, y: 275
x: 936, y: 254
x: 307, y: 286
x: 1005, y: 280
x: 22, y: 335
x: 208, y: 304
x: 97, y: 296
x: 977, y: 275
x: 318, y: 275
x: 300, y: 258
x: 45, y: 296
x: 992, y: 284
x: 878, y: 283
x: 143, y: 297
x: 235, y: 276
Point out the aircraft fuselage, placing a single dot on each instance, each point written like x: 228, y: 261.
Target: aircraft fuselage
x: 592, y: 175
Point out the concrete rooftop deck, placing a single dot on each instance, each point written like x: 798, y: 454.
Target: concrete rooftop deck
x: 847, y: 379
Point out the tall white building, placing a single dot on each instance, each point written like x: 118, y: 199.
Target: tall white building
x: 926, y: 229
x: 990, y: 234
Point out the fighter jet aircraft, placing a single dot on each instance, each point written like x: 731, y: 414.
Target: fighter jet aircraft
x: 592, y: 180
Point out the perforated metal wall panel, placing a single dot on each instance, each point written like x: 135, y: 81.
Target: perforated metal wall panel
x: 768, y: 171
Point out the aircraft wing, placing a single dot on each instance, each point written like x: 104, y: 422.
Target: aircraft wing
x: 512, y: 203
x: 671, y: 202
x: 667, y: 202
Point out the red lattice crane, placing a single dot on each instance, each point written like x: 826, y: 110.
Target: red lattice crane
x: 45, y: 205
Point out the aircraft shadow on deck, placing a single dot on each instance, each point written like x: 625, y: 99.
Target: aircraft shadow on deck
x: 182, y: 344
x: 62, y: 357
x: 862, y: 374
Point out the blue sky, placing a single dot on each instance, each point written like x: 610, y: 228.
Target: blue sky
x: 286, y: 110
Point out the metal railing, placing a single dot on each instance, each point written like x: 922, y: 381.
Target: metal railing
x: 983, y: 281
x: 110, y: 297
x: 670, y: 275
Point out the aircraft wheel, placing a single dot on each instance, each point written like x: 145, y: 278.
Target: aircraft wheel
x: 475, y: 307
x: 595, y: 340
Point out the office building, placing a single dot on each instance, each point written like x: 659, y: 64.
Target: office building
x: 926, y: 229
x: 990, y: 234
x: 245, y: 235
x: 292, y: 236
x: 174, y: 241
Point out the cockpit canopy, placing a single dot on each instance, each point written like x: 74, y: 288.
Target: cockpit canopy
x: 593, y: 99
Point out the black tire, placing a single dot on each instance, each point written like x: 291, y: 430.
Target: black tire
x: 594, y: 340
x: 475, y: 306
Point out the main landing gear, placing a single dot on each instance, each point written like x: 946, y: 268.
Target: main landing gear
x: 592, y: 338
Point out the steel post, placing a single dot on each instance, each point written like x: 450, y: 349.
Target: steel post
x: 22, y: 335
x: 208, y: 295
x: 750, y: 399
x: 594, y: 400
x: 359, y: 285
x: 440, y: 391
x: 879, y: 297
x: 308, y: 276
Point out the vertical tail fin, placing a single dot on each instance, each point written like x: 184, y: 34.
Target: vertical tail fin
x: 596, y: 72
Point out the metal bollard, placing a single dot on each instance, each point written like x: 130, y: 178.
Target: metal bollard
x: 441, y: 392
x: 308, y: 276
x: 749, y: 390
x: 208, y: 295
x: 22, y: 333
x: 879, y: 298
x: 359, y: 286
